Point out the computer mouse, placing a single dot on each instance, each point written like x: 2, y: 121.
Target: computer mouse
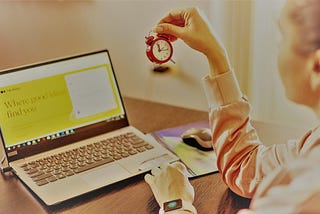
x: 199, y: 138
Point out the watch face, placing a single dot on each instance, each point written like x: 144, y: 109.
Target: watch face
x: 162, y: 50
x: 172, y: 205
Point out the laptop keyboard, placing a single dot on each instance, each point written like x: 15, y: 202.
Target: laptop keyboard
x: 59, y: 166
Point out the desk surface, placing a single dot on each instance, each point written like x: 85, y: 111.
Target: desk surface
x: 133, y: 195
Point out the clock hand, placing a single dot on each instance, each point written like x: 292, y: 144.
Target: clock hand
x: 159, y: 49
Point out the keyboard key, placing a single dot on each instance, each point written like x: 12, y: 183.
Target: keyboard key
x: 42, y: 182
x: 52, y: 179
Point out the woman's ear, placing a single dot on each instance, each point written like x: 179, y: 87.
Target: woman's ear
x: 315, y: 70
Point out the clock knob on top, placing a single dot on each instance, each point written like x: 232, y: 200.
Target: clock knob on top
x: 149, y: 40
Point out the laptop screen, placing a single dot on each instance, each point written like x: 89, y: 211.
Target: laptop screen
x: 55, y: 103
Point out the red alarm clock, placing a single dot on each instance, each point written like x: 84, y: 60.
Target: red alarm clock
x: 159, y: 49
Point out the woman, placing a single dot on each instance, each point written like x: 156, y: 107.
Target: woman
x: 282, y: 178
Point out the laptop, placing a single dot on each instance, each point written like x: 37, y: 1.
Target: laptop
x: 65, y: 130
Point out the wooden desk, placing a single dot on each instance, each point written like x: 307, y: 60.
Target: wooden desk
x: 133, y: 195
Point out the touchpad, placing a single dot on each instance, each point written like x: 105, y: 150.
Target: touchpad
x: 105, y: 175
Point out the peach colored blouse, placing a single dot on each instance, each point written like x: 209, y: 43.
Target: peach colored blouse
x: 281, y: 177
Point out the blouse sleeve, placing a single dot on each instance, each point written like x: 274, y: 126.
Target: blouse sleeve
x: 242, y: 159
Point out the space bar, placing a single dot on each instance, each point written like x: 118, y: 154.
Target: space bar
x: 93, y: 165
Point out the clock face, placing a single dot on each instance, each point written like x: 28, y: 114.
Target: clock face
x: 162, y: 50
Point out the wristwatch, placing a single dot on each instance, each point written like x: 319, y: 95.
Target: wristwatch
x: 177, y: 205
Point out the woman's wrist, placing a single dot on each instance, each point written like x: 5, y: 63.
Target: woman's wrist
x: 218, y: 59
x: 219, y: 65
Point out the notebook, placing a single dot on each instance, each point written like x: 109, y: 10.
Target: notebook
x: 65, y: 130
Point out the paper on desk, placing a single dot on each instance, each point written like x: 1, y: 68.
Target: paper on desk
x: 198, y: 162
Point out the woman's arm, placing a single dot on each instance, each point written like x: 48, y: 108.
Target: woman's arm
x: 241, y: 157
